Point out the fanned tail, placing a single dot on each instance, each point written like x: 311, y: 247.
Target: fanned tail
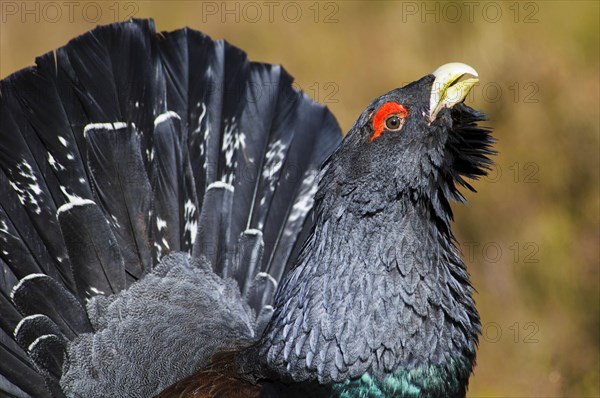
x: 124, y: 146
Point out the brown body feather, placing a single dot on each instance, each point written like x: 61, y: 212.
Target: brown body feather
x: 220, y: 379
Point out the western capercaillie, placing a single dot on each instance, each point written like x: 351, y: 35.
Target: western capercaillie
x: 172, y: 214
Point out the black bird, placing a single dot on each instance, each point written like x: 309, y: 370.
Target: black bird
x: 172, y: 214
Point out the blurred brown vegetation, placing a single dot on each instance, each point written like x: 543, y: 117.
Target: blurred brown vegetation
x: 531, y: 234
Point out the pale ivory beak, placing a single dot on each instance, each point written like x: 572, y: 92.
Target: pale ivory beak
x: 447, y: 90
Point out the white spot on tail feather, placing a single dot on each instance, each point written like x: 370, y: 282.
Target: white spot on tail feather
x: 268, y: 276
x: 75, y: 201
x: 232, y: 142
x: 55, y: 163
x: 160, y: 223
x: 94, y: 292
x: 104, y: 126
x: 203, y: 119
x: 26, y: 278
x: 163, y: 117
x: 190, y: 223
x: 220, y: 184
x: 22, y: 321
x: 71, y: 198
x: 115, y: 221
x: 159, y: 249
x: 3, y: 226
x: 39, y: 340
x: 274, y: 159
x: 305, y: 200
x: 162, y: 243
x: 27, y: 187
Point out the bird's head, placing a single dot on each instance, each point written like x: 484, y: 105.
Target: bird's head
x: 417, y: 141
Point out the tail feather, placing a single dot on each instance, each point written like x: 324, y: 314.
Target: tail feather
x: 210, y: 136
x: 85, y: 59
x: 23, y: 250
x: 186, y: 94
x: 9, y: 314
x: 128, y: 51
x: 18, y: 375
x: 98, y: 265
x: 261, y: 291
x: 254, y: 137
x: 21, y: 160
x: 281, y: 136
x: 204, y: 93
x: 120, y: 54
x: 250, y: 250
x: 120, y: 182
x: 44, y: 343
x: 294, y: 197
x: 47, y: 352
x: 26, y: 360
x: 40, y: 294
x: 170, y: 193
x: 213, y: 225
x: 39, y: 98
x: 175, y: 71
x: 33, y: 327
x: 235, y: 81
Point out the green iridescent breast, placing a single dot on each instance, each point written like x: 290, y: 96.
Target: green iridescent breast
x: 431, y: 381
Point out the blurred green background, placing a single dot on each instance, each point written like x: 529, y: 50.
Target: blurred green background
x: 531, y: 235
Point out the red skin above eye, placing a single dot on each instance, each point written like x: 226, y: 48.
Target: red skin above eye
x: 386, y: 110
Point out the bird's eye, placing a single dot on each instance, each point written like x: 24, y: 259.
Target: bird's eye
x: 389, y: 117
x: 393, y: 123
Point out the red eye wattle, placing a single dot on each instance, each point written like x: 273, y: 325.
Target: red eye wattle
x: 387, y: 117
